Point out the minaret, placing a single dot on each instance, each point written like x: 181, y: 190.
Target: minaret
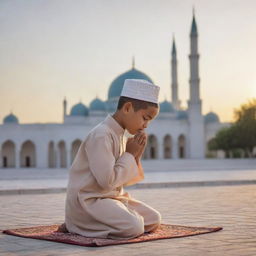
x: 196, y: 121
x: 64, y: 108
x: 174, y: 78
x: 133, y: 62
x: 194, y: 64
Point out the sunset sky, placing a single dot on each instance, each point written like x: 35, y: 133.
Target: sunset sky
x: 52, y: 49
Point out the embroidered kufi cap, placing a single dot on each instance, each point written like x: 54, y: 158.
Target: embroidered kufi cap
x: 141, y: 90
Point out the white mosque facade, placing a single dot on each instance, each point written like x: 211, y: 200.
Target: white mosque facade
x: 175, y: 133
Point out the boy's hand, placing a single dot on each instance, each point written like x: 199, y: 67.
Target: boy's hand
x: 142, y: 140
x: 136, y: 145
x: 133, y: 147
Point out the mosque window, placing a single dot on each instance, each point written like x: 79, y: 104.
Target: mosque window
x: 28, y: 163
x: 181, y: 152
x: 5, y: 161
x: 167, y: 152
x: 152, y: 153
x: 182, y: 143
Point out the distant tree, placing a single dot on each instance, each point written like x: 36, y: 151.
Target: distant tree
x: 212, y: 144
x: 240, y: 135
x: 246, y: 112
x: 245, y: 120
x: 224, y: 140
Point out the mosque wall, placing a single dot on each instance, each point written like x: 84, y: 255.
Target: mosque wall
x: 41, y: 146
x: 55, y: 145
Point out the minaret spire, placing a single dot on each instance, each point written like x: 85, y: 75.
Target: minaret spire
x: 64, y: 108
x: 194, y: 63
x: 174, y: 76
x: 193, y: 25
x: 173, y: 46
x: 133, y: 62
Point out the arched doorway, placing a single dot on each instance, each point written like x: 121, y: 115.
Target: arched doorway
x: 51, y: 155
x: 167, y: 147
x: 62, y: 153
x: 28, y: 154
x: 152, y: 147
x: 8, y: 154
x: 75, y: 146
x: 182, y: 146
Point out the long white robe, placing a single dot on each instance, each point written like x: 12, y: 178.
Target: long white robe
x: 96, y: 204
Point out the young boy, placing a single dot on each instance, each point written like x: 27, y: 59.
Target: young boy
x: 96, y: 204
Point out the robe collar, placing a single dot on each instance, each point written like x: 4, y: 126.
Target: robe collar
x: 114, y: 125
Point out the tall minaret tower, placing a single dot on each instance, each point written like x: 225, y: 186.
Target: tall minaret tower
x: 174, y: 77
x: 196, y: 121
x: 194, y: 64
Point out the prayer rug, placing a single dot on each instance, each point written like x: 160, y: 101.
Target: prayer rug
x: 53, y: 233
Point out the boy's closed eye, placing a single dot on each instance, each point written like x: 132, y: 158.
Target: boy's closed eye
x: 147, y: 117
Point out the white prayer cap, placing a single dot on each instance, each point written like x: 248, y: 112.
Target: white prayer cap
x: 141, y: 90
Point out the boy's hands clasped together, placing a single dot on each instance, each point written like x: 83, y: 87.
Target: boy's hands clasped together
x: 136, y: 145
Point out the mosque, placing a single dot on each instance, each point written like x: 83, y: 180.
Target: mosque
x: 175, y: 133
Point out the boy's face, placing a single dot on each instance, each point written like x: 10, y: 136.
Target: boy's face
x: 137, y: 121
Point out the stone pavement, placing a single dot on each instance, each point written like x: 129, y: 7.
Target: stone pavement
x: 173, y: 172
x: 232, y: 207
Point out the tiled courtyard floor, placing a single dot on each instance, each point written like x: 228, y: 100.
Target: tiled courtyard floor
x: 156, y: 171
x: 232, y: 207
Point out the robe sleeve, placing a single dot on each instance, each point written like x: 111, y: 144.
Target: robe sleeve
x: 108, y: 172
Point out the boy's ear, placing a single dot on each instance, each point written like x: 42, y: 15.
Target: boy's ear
x: 127, y: 107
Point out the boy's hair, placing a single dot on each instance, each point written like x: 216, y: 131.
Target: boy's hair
x: 137, y: 104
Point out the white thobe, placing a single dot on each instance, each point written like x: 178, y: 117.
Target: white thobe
x: 96, y: 203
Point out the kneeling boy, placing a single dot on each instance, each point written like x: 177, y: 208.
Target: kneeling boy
x: 96, y: 203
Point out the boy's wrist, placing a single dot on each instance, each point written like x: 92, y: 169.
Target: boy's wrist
x: 131, y: 153
x: 138, y: 158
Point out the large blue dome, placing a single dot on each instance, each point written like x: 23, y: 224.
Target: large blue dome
x: 79, y: 110
x: 166, y: 106
x: 11, y: 118
x: 97, y: 105
x: 211, y: 117
x: 116, y: 86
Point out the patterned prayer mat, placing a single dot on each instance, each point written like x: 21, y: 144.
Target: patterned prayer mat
x: 51, y: 233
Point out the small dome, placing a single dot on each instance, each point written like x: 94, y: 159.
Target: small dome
x: 97, y: 105
x: 79, y: 110
x: 116, y: 86
x: 166, y: 106
x: 211, y: 117
x: 181, y: 114
x: 11, y: 118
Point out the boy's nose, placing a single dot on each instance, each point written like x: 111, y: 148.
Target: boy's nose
x: 145, y: 125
